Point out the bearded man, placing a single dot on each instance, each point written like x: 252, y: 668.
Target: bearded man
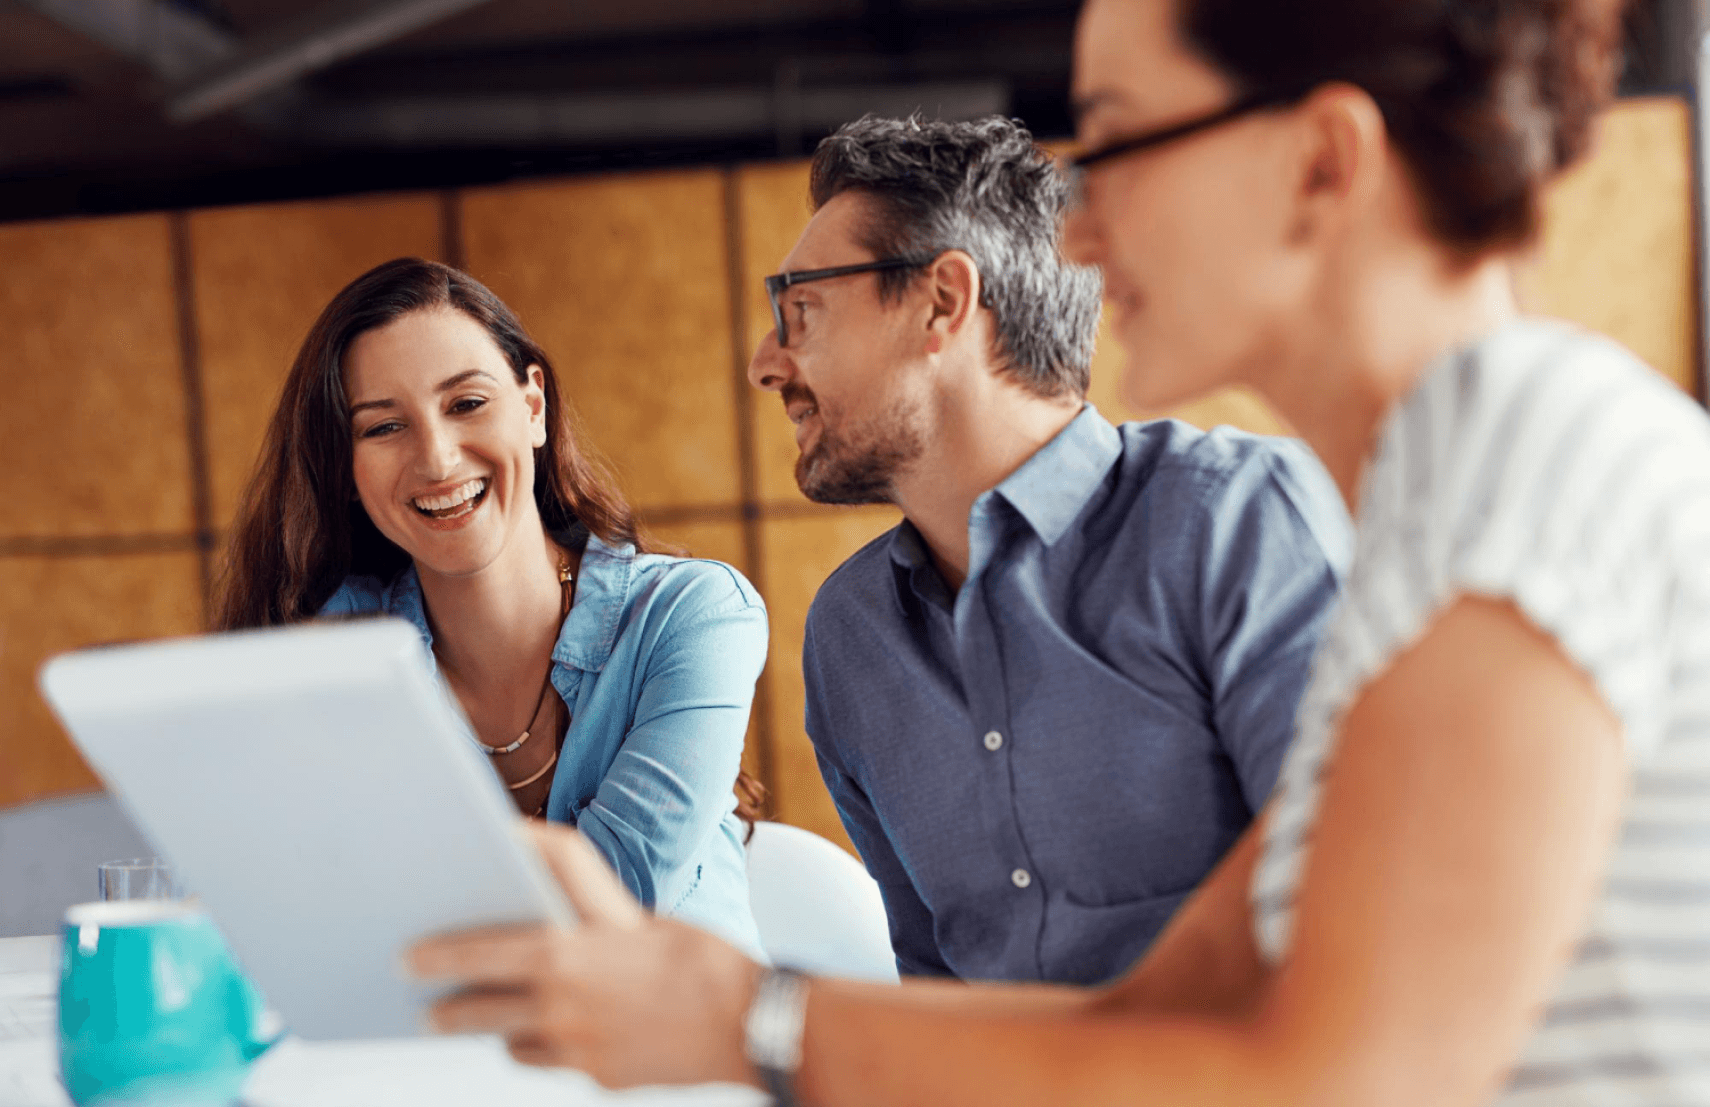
x: 1050, y: 700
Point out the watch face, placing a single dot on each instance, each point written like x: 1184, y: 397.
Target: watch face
x: 773, y: 1028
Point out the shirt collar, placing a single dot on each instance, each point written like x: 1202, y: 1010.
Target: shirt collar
x: 1052, y: 486
x: 1049, y: 491
x: 589, y: 632
x: 916, y: 577
x: 602, y: 595
x: 403, y: 599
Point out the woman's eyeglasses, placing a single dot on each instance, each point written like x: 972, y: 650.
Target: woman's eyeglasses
x: 1075, y: 167
x: 778, y: 282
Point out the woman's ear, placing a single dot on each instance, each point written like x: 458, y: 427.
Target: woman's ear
x: 534, y: 395
x: 1343, y: 164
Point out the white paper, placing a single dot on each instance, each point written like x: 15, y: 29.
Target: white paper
x: 428, y: 1072
x: 29, y: 1074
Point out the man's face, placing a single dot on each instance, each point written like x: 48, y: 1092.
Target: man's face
x: 850, y: 378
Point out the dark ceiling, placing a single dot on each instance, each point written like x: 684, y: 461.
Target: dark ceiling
x: 117, y: 105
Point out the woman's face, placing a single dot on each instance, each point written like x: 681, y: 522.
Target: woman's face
x: 443, y: 440
x: 1203, y: 272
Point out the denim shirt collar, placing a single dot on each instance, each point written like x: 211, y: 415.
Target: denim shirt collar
x: 916, y: 578
x: 1052, y: 486
x: 602, y: 594
x: 1048, y: 491
x: 589, y: 632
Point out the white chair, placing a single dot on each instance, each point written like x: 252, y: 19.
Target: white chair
x: 816, y: 907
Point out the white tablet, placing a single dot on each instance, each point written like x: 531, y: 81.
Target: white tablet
x: 317, y: 787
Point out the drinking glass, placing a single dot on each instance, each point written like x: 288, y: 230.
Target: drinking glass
x: 136, y: 878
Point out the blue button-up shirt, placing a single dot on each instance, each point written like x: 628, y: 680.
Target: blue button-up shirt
x: 1038, y: 767
x: 657, y: 662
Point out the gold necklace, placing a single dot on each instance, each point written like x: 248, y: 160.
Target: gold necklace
x: 566, y: 583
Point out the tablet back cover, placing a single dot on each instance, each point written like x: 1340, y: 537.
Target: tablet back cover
x: 316, y: 787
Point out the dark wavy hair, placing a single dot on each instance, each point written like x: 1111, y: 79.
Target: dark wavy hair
x: 300, y: 530
x: 1485, y: 99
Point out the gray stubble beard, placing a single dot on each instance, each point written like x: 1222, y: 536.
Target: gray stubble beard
x: 836, y: 472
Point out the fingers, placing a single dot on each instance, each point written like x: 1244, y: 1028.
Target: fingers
x: 528, y: 1048
x: 487, y: 1011
x: 530, y: 1038
x: 493, y: 955
x: 596, y: 893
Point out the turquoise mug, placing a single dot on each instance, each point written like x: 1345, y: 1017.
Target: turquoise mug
x: 152, y: 1008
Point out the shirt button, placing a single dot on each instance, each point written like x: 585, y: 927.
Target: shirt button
x: 1021, y: 878
x: 994, y: 741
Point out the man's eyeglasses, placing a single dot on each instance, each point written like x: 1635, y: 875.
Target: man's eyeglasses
x: 1075, y: 168
x: 778, y: 282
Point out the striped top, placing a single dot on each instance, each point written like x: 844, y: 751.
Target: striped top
x: 1549, y: 467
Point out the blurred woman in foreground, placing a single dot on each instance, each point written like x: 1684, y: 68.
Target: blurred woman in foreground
x: 423, y: 464
x: 1485, y: 874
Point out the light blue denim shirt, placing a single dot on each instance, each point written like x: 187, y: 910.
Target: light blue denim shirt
x: 657, y: 661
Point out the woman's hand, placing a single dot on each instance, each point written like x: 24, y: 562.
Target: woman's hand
x: 626, y: 997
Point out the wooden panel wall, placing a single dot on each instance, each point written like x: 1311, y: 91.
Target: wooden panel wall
x: 94, y: 543
x: 94, y: 407
x: 141, y: 357
x: 59, y: 601
x: 1616, y: 252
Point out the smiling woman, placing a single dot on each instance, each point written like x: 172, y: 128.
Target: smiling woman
x: 422, y: 463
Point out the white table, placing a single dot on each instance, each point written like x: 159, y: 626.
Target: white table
x: 427, y: 1072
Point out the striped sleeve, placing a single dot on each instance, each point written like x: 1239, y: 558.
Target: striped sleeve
x: 1569, y: 480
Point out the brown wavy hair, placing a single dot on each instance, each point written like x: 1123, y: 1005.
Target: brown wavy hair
x: 300, y: 530
x: 1486, y: 100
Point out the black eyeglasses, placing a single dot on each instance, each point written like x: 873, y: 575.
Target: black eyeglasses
x: 777, y: 282
x: 1075, y: 168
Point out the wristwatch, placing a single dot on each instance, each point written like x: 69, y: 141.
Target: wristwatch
x: 772, y: 1031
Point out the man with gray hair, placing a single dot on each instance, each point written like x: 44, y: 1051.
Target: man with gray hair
x: 1051, y: 699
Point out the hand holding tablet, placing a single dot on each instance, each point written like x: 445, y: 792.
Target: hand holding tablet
x: 317, y: 787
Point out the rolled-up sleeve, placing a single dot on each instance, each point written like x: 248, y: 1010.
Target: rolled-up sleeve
x: 670, y: 784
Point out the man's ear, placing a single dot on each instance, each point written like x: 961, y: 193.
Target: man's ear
x: 1343, y: 160
x: 954, y: 286
x: 534, y: 395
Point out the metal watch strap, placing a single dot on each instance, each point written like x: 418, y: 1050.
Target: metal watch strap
x: 772, y: 1032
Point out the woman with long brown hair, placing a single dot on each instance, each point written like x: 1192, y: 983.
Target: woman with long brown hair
x: 1484, y: 875
x: 423, y: 464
